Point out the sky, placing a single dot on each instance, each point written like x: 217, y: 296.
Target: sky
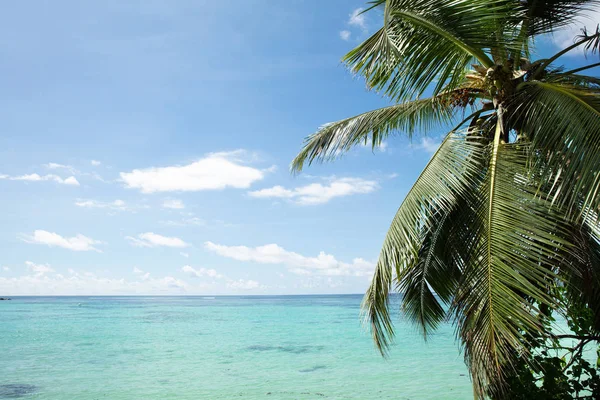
x: 145, y: 148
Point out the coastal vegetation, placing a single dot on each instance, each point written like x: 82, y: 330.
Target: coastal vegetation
x: 500, y: 232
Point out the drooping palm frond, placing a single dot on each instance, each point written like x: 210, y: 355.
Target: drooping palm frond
x: 453, y: 171
x: 428, y: 283
x: 578, y: 81
x: 518, y: 239
x: 545, y: 16
x: 373, y: 127
x: 429, y: 43
x: 563, y: 122
x: 581, y: 275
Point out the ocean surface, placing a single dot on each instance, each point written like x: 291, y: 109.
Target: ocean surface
x: 288, y: 347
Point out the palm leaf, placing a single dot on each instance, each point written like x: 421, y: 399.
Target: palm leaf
x: 373, y: 127
x: 519, y: 238
x: 453, y: 171
x: 545, y: 16
x: 429, y: 43
x: 563, y: 122
x: 427, y: 283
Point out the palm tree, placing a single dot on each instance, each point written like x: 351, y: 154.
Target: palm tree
x: 507, y: 208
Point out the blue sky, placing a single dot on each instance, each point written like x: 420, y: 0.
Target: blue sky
x: 145, y: 149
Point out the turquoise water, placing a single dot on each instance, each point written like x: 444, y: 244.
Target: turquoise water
x: 290, y: 347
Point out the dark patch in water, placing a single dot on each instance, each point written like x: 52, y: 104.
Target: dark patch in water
x: 296, y: 393
x: 16, y: 390
x: 313, y: 369
x: 286, y: 349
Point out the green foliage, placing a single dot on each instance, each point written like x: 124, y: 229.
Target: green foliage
x: 492, y: 222
x: 553, y: 370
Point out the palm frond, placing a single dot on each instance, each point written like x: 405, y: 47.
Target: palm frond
x: 453, y: 171
x: 581, y: 272
x: 518, y: 239
x: 427, y: 284
x: 545, y: 16
x: 429, y: 43
x: 563, y: 123
x: 373, y: 127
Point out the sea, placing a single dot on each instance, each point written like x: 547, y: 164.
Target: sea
x: 224, y: 347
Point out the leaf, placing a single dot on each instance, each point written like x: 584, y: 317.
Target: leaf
x: 517, y: 243
x: 452, y: 172
x: 373, y: 127
x: 563, y: 123
x: 429, y: 43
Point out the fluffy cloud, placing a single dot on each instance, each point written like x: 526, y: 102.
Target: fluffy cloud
x: 429, y: 145
x: 117, y: 205
x: 69, y: 168
x: 357, y: 19
x: 45, y: 281
x: 201, y: 272
x: 173, y: 204
x: 345, y: 35
x: 150, y: 239
x: 71, y: 180
x: 95, y: 163
x: 75, y: 243
x: 323, y: 264
x: 215, y: 171
x: 242, y: 284
x: 317, y: 193
x: 566, y: 36
x: 191, y: 221
x: 143, y: 275
x: 38, y: 269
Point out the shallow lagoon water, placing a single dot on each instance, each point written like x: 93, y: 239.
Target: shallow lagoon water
x: 288, y: 347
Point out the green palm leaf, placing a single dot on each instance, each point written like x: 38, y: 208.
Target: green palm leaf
x: 518, y: 241
x: 429, y: 43
x: 373, y: 127
x: 452, y: 172
x: 563, y: 122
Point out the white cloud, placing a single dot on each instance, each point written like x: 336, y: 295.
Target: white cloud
x: 566, y: 36
x: 173, y: 204
x: 143, y: 275
x: 429, y: 145
x: 116, y: 205
x: 6, y: 268
x: 345, y: 35
x: 88, y: 283
x: 68, y: 168
x: 214, y: 171
x: 357, y: 19
x: 182, y: 254
x: 243, y: 284
x: 191, y: 221
x: 71, y: 180
x: 323, y: 264
x: 317, y: 193
x: 380, y: 147
x: 39, y: 269
x: 150, y: 239
x: 201, y: 272
x: 75, y: 243
x: 95, y: 163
